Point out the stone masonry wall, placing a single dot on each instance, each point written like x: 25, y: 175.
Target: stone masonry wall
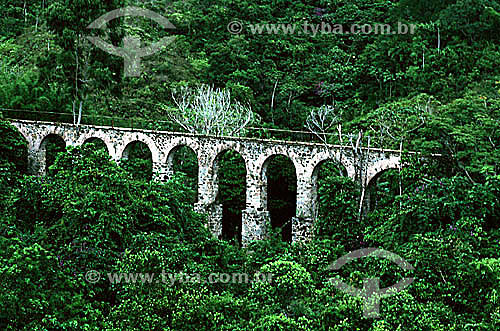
x: 255, y: 152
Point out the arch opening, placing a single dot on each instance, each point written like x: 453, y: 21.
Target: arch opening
x: 182, y: 161
x: 382, y: 190
x: 280, y: 195
x: 335, y: 203
x: 98, y: 144
x: 50, y: 146
x: 137, y: 160
x: 15, y: 152
x: 230, y: 183
x: 327, y: 173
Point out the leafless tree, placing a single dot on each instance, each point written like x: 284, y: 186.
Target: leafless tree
x: 356, y: 143
x: 396, y: 124
x: 321, y: 120
x: 82, y: 81
x: 77, y: 119
x: 207, y: 110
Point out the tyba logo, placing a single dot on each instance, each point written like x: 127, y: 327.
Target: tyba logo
x: 371, y: 292
x: 131, y: 52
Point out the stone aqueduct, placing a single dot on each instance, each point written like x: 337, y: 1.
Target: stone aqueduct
x: 256, y: 154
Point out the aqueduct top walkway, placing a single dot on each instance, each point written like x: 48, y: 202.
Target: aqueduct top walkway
x: 363, y: 165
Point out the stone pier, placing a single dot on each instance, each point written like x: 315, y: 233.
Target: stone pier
x: 256, y: 153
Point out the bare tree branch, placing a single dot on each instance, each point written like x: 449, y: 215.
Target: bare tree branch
x: 211, y: 111
x: 321, y: 120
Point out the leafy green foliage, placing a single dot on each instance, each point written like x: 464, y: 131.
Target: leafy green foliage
x: 138, y: 161
x: 185, y: 164
x: 337, y: 207
x: 281, y: 195
x: 232, y: 193
x: 433, y: 92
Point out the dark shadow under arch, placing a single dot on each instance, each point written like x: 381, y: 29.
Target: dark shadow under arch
x: 382, y: 189
x: 15, y: 150
x: 336, y: 204
x: 98, y: 143
x: 280, y: 176
x: 323, y: 170
x: 230, y: 172
x: 51, y: 145
x: 183, y: 159
x: 137, y: 160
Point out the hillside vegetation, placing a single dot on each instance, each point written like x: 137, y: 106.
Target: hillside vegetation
x: 436, y: 91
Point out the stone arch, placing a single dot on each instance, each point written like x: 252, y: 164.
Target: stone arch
x: 20, y: 156
x: 21, y: 130
x: 374, y: 179
x: 173, y: 145
x: 98, y: 141
x: 318, y: 165
x: 126, y: 151
x: 170, y: 167
x: 335, y: 156
x: 42, y: 142
x: 169, y: 161
x: 127, y: 139
x: 138, y: 149
x: 103, y: 135
x: 216, y: 163
x: 315, y: 179
x: 266, y: 156
x: 266, y: 188
x: 231, y: 222
x: 393, y: 162
x: 374, y: 172
x: 49, y: 136
x: 263, y: 173
x: 47, y: 158
x: 217, y: 153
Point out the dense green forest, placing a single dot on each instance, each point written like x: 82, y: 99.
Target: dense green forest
x: 436, y: 91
